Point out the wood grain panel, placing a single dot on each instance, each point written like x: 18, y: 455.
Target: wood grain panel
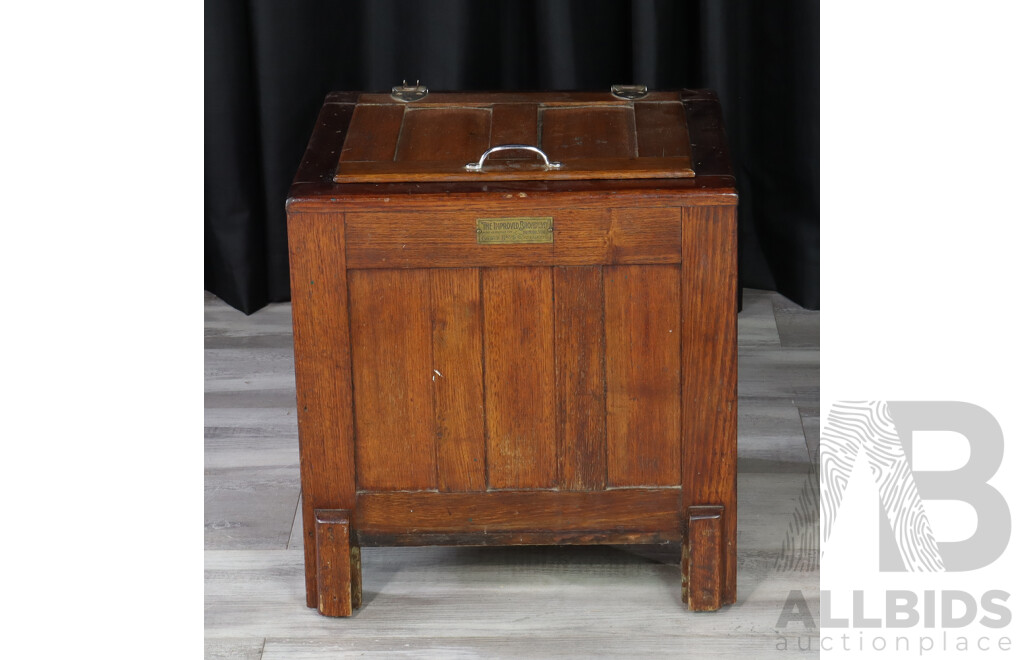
x: 458, y: 517
x: 581, y: 237
x: 323, y: 385
x: 709, y: 368
x: 620, y: 236
x: 457, y: 378
x: 456, y: 134
x: 373, y: 133
x: 661, y: 130
x: 519, y: 376
x: 642, y: 335
x: 514, y: 123
x: 579, y: 376
x: 391, y: 346
x: 592, y: 132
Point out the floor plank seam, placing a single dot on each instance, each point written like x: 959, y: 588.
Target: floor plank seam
x: 291, y: 530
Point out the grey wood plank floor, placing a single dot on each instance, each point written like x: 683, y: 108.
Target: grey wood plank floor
x: 525, y: 602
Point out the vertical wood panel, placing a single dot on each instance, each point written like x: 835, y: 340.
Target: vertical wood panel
x: 642, y: 346
x: 579, y: 374
x: 323, y: 385
x: 709, y: 368
x: 458, y: 378
x: 519, y: 377
x: 391, y: 345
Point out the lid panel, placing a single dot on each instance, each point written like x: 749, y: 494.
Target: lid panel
x: 458, y: 135
x: 569, y: 133
x: 587, y: 135
x: 661, y: 130
x: 514, y: 123
x: 373, y: 132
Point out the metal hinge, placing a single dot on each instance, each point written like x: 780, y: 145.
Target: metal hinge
x: 406, y: 92
x: 629, y: 92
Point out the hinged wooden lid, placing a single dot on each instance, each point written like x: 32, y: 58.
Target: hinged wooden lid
x: 583, y: 136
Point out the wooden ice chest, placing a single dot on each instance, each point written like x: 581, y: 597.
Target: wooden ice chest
x: 499, y: 351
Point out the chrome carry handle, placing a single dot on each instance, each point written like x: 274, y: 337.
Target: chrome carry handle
x: 479, y: 165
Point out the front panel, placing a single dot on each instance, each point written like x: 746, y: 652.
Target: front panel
x: 516, y: 378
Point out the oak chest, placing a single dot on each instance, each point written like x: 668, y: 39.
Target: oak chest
x: 515, y: 323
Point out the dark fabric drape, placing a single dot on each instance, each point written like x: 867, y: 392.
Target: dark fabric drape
x: 269, y: 65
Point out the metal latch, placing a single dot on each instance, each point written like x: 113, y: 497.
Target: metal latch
x: 629, y: 92
x: 406, y: 92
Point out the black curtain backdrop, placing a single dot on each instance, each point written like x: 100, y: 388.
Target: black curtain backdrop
x: 269, y: 65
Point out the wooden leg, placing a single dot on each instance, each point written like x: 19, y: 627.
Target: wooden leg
x: 709, y: 420
x: 323, y: 382
x: 703, y: 565
x: 339, y: 578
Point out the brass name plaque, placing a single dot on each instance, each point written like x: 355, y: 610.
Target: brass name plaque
x: 499, y: 231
